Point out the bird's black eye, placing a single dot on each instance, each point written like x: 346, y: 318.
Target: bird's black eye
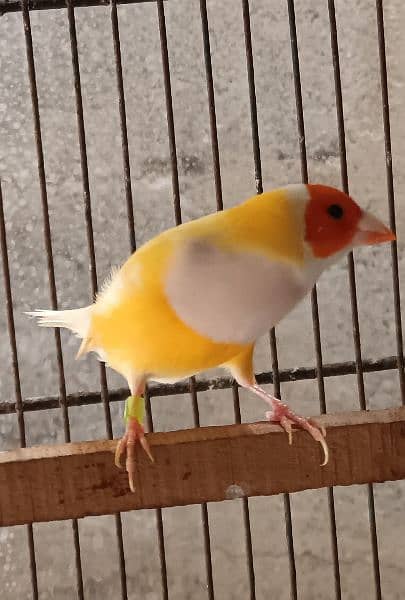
x: 335, y: 211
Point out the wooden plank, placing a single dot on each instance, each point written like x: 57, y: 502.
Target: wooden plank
x: 47, y: 483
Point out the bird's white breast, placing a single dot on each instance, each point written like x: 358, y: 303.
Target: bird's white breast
x: 231, y: 297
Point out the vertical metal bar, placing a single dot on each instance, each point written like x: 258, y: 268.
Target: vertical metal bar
x: 50, y: 263
x: 314, y: 294
x: 16, y: 374
x: 352, y: 280
x: 391, y: 196
x: 92, y: 256
x: 286, y: 497
x: 158, y: 513
x: 219, y: 202
x: 345, y: 185
x: 204, y: 507
x: 123, y: 124
x: 130, y: 218
x: 82, y: 144
x: 246, y: 512
x: 273, y: 343
x: 211, y: 104
x: 169, y: 111
x: 322, y: 402
x: 298, y: 90
x: 178, y: 219
x: 252, y: 97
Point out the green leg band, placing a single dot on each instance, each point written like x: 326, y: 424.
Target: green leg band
x: 134, y: 408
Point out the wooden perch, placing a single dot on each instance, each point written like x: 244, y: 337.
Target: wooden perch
x: 46, y: 483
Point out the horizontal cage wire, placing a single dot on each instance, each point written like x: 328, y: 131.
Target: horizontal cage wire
x: 251, y: 103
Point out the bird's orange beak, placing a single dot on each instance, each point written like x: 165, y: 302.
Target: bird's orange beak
x: 371, y: 230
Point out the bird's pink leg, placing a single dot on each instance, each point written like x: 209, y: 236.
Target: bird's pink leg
x: 134, y: 415
x: 282, y: 414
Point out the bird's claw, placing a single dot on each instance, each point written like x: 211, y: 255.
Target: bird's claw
x: 287, y: 424
x: 127, y: 445
x: 284, y: 422
x: 321, y: 428
x: 146, y: 448
x: 119, y: 451
x: 286, y: 418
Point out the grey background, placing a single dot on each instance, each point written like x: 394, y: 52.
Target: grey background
x: 151, y: 180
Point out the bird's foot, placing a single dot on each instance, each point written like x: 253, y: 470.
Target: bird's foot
x: 282, y: 414
x: 134, y: 415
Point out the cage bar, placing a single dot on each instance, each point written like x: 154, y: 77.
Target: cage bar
x: 158, y: 512
x: 17, y: 382
x: 390, y: 193
x: 123, y: 125
x: 388, y: 363
x: 352, y: 282
x: 314, y: 294
x: 92, y: 259
x: 273, y: 342
x: 178, y: 220
x: 50, y: 262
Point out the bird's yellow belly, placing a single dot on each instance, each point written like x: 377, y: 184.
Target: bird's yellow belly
x: 145, y: 336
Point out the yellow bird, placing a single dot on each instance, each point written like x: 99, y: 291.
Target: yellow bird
x: 199, y: 295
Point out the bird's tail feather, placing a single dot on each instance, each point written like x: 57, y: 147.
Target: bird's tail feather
x: 77, y: 320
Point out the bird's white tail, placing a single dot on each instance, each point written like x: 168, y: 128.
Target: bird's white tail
x: 77, y: 320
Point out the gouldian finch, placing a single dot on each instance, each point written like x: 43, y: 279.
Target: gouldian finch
x: 199, y: 295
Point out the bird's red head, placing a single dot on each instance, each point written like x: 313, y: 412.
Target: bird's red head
x: 334, y: 222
